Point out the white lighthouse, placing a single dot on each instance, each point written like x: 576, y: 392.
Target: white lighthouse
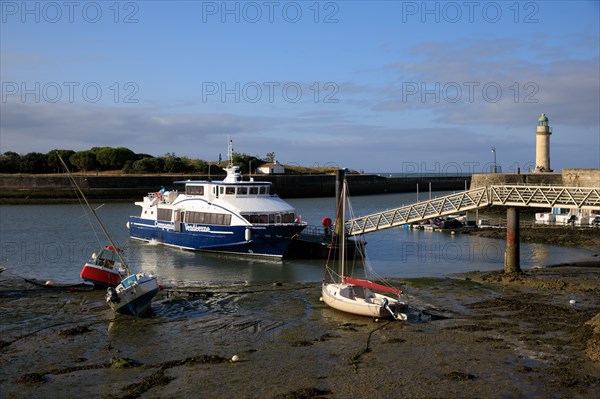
x: 542, y: 145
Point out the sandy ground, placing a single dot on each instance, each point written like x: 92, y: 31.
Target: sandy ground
x: 484, y: 335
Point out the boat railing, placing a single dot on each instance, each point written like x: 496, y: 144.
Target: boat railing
x: 315, y: 233
x: 162, y: 198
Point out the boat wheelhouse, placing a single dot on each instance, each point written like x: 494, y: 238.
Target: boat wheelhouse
x: 104, y: 269
x: 229, y: 216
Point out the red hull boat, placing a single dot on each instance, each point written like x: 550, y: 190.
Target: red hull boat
x: 104, y: 269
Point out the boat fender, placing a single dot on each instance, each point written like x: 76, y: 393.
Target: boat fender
x: 111, y: 295
x: 248, y: 234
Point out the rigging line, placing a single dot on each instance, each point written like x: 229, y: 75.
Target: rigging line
x: 86, y: 214
x: 95, y: 215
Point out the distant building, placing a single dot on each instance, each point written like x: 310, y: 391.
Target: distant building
x: 271, y: 168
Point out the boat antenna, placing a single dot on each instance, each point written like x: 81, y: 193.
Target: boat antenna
x: 230, y: 153
x: 72, y: 179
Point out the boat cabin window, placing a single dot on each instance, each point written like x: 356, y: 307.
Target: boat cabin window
x: 270, y: 218
x: 264, y: 190
x: 242, y: 190
x: 207, y: 218
x: 164, y: 214
x: 253, y: 190
x: 194, y: 190
x: 230, y: 190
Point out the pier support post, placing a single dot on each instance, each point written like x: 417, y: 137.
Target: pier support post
x: 512, y: 261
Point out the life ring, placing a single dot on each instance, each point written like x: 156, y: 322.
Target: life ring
x: 158, y: 195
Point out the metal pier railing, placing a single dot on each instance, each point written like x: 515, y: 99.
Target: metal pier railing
x: 502, y: 195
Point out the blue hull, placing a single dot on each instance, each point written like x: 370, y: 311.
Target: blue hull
x: 265, y: 240
x: 140, y: 305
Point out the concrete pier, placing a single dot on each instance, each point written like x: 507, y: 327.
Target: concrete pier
x: 512, y: 259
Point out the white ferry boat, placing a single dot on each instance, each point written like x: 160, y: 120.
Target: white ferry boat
x: 229, y: 216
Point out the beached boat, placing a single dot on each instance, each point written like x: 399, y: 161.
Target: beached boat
x: 104, y: 269
x: 230, y: 216
x: 354, y: 295
x: 134, y: 294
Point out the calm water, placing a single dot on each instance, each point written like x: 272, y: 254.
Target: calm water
x: 51, y: 242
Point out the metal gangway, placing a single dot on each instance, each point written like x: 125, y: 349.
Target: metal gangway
x: 502, y: 195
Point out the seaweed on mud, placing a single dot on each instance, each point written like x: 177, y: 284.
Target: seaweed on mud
x: 303, y: 393
x: 527, y: 306
x: 459, y: 376
x: 395, y: 341
x: 158, y: 378
x: 77, y: 330
x: 119, y: 362
x: 322, y: 338
x: 31, y: 378
x: 202, y: 359
x: 326, y: 337
x: 302, y: 343
x: 72, y: 369
x: 351, y: 326
x: 470, y: 328
x: 567, y: 377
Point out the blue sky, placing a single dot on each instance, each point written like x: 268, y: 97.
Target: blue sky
x: 395, y: 86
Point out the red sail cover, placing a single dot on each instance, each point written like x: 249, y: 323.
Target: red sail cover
x: 372, y: 285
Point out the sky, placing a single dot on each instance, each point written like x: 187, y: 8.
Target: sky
x: 375, y: 86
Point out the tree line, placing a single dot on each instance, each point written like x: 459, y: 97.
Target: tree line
x: 98, y: 159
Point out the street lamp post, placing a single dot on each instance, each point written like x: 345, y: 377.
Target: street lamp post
x: 494, y: 168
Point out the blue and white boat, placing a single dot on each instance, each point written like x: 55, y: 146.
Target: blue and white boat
x: 134, y: 294
x: 230, y: 216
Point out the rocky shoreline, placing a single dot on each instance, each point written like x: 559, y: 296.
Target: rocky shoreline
x: 571, y: 236
x: 535, y: 334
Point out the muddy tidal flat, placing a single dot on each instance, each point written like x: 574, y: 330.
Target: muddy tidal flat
x: 478, y: 335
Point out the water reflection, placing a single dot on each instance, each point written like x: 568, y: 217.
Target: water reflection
x: 52, y: 242
x: 186, y: 268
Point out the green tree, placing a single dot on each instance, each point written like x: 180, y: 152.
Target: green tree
x: 245, y: 161
x: 83, y: 160
x: 199, y: 166
x: 270, y: 157
x: 174, y: 164
x: 34, y: 162
x: 10, y: 162
x: 148, y: 165
x: 55, y: 164
x: 113, y: 158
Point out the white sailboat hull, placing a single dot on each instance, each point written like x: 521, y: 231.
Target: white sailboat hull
x: 361, y: 301
x: 134, y: 295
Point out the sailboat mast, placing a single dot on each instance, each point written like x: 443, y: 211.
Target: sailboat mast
x: 95, y: 214
x: 342, y: 222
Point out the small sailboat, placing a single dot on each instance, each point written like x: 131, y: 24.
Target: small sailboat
x: 354, y: 295
x: 104, y: 269
x: 133, y: 294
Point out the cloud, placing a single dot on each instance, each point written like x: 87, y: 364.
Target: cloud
x: 42, y: 127
x: 479, y: 81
